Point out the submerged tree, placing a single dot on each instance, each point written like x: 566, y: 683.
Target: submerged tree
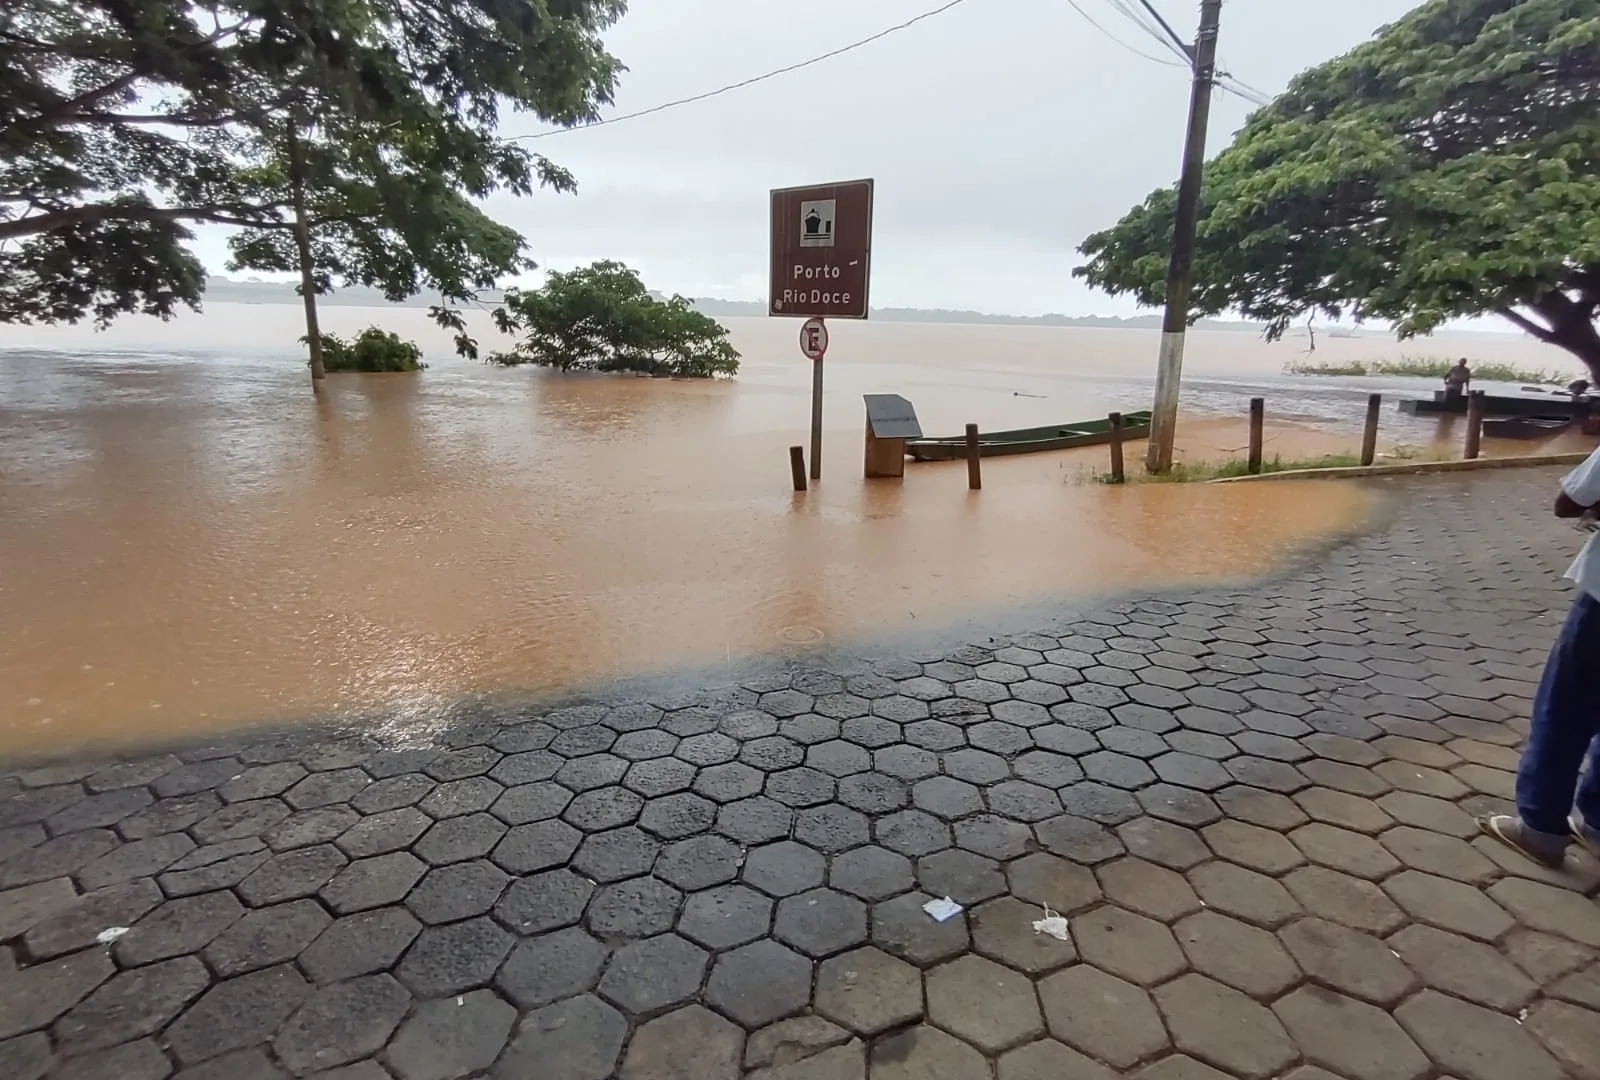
x: 601, y: 318
x: 1450, y: 167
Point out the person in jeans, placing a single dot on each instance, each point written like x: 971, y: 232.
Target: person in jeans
x: 1566, y: 709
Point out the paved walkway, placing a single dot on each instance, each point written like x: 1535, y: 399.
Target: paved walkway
x: 1253, y: 808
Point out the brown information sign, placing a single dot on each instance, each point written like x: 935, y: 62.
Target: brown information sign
x: 821, y: 251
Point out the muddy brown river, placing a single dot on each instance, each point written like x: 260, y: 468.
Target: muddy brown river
x: 190, y: 539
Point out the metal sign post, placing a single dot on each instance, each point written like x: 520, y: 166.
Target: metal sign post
x: 814, y: 344
x: 821, y: 268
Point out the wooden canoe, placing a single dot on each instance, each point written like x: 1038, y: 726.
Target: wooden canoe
x: 1135, y: 425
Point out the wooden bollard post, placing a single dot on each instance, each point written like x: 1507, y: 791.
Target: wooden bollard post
x: 1475, y: 405
x: 797, y: 466
x: 1258, y: 415
x: 974, y: 469
x: 1115, y: 427
x: 1369, y: 437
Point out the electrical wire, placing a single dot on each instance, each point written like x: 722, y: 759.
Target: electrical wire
x: 1091, y: 21
x: 1164, y: 37
x: 742, y: 83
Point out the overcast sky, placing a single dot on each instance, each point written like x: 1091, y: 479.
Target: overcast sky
x: 1000, y: 133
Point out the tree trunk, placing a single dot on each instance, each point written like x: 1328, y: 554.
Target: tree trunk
x: 1581, y: 340
x: 302, y: 243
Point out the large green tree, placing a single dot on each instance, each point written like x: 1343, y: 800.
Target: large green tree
x: 1449, y: 167
x: 122, y: 121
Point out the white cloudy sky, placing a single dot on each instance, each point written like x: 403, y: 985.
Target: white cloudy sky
x: 1000, y: 133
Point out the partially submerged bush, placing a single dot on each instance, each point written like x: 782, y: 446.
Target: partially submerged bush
x: 372, y: 350
x: 601, y: 318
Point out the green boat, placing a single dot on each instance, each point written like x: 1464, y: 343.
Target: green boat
x: 1135, y: 425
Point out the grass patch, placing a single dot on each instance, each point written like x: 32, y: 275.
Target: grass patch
x: 1191, y: 472
x: 1432, y: 367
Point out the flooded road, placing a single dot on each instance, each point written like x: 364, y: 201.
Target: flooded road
x: 190, y: 540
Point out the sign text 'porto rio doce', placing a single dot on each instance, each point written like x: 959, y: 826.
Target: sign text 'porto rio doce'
x: 821, y: 251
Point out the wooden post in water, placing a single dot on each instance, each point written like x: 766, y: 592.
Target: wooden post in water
x: 1369, y: 437
x: 797, y: 466
x: 1258, y: 415
x: 1475, y: 405
x: 974, y: 470
x: 1115, y: 422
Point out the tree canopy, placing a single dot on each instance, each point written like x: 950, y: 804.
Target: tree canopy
x: 123, y: 121
x: 1450, y: 167
x: 601, y: 318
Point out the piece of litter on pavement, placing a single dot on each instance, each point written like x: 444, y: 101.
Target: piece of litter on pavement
x: 1053, y: 923
x: 942, y: 910
x: 110, y: 934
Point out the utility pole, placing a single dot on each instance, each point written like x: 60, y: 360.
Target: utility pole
x: 1180, y: 270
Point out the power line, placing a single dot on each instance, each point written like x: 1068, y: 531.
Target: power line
x: 1172, y: 44
x: 1091, y: 21
x: 1182, y: 45
x: 741, y: 84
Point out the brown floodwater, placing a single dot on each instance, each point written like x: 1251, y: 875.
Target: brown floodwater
x: 191, y: 540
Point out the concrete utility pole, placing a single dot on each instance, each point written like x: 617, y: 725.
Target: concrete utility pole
x: 1180, y: 271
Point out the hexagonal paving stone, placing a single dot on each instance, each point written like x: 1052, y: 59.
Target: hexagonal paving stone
x: 544, y: 902
x: 990, y: 1006
x: 821, y: 922
x: 1181, y: 806
x: 1553, y: 910
x: 784, y: 868
x: 733, y: 781
x: 1473, y: 1042
x: 603, y: 857
x: 961, y: 875
x: 1157, y: 841
x: 577, y: 1039
x: 699, y: 862
x: 360, y: 944
x: 1221, y: 1026
x: 873, y: 793
x: 831, y: 829
x: 657, y: 973
x: 638, y: 908
x: 1244, y: 894
x: 1345, y: 851
x: 946, y: 798
x: 1448, y: 904
x: 273, y: 935
x: 342, y: 1023
x: 800, y: 787
x: 470, y: 796
x: 237, y: 1013
x: 925, y: 1052
x: 993, y: 836
x: 460, y: 891
x: 1102, y: 1015
x: 1127, y: 945
x: 1147, y: 888
x: 1252, y: 846
x: 725, y: 917
x: 976, y: 766
x: 551, y: 967
x: 471, y: 836
x: 903, y: 928
x: 1078, y: 839
x: 1360, y: 1041
x: 177, y: 927
x: 1349, y: 961
x: 871, y: 873
x: 452, y: 1038
x: 1462, y: 967
x: 659, y: 776
x: 912, y: 833
x: 869, y: 991
x: 755, y: 821
x: 1343, y: 899
x: 451, y: 959
x: 759, y: 984
x: 1568, y: 1032
x: 1236, y: 954
x: 132, y: 1005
